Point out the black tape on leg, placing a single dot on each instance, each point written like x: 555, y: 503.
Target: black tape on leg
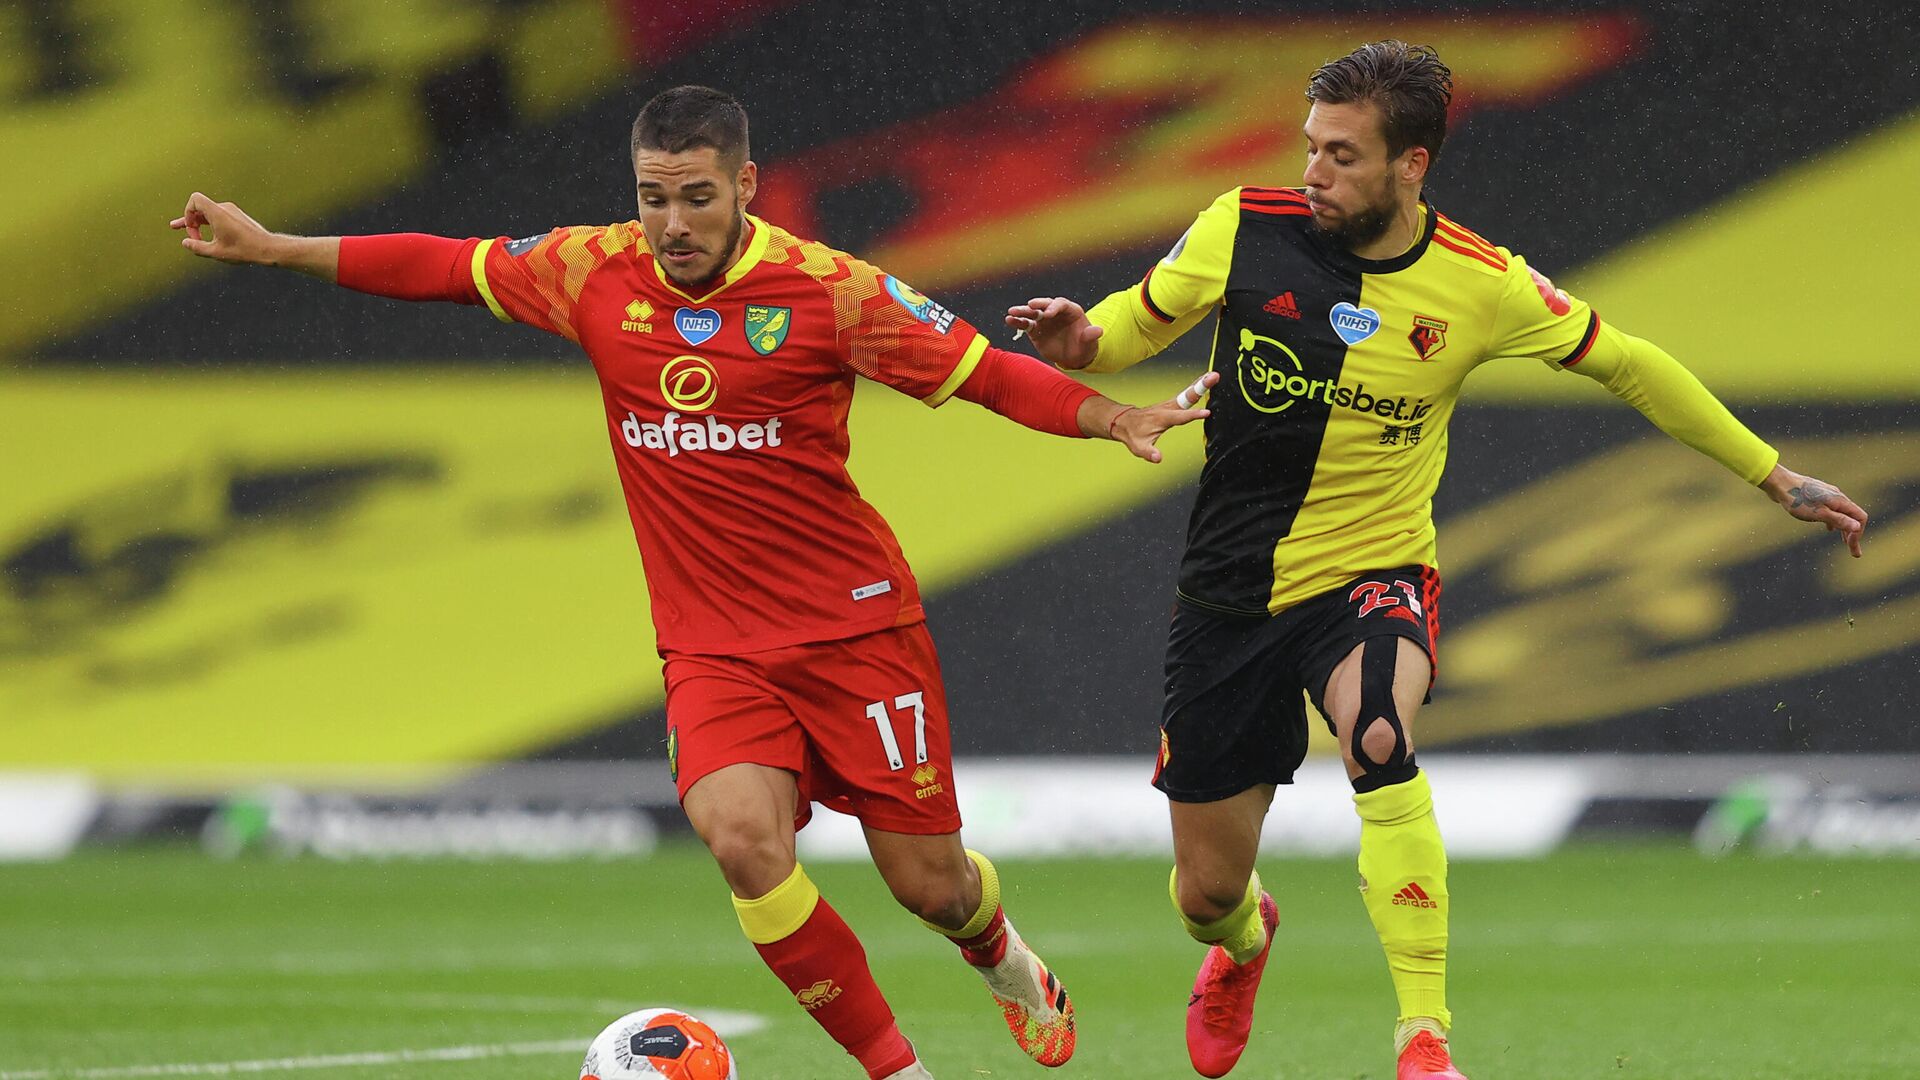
x: 1378, y: 659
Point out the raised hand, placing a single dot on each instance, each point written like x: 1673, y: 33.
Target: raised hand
x: 1813, y: 500
x: 1059, y: 330
x: 223, y: 231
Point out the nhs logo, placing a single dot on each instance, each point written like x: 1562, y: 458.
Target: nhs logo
x: 696, y: 326
x: 1354, y: 324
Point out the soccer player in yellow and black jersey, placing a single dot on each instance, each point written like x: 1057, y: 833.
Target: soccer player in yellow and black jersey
x: 1346, y: 313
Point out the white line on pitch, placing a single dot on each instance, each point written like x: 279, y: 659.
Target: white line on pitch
x: 734, y: 1023
x: 319, y: 1061
x: 531, y: 958
x: 432, y: 1001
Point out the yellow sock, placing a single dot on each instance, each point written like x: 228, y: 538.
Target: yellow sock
x: 778, y: 914
x: 1240, y: 931
x: 1408, y: 1027
x: 1403, y: 879
x: 989, y: 902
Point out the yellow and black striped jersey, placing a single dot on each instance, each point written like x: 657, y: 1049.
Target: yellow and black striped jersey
x: 1338, y: 375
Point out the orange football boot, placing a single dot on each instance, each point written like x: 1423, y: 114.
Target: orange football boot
x: 1033, y: 1003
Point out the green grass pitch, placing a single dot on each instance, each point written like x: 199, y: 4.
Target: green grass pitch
x: 1615, y: 962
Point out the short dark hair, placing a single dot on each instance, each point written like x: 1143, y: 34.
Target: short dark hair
x: 686, y: 117
x: 1408, y: 82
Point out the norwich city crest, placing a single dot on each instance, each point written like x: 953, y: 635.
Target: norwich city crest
x: 767, y: 327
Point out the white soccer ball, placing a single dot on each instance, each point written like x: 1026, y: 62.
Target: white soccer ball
x: 658, y: 1043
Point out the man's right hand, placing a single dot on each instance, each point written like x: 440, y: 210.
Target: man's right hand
x: 223, y: 231
x: 230, y: 235
x: 1059, y: 330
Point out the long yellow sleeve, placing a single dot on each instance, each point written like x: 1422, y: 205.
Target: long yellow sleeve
x: 1178, y: 292
x: 1132, y: 333
x: 1643, y: 375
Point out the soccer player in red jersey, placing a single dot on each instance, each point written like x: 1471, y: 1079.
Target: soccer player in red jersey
x: 797, y: 663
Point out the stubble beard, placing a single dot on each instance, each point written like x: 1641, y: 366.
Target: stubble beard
x: 720, y: 257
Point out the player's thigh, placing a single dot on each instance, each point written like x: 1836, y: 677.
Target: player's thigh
x: 723, y: 711
x: 1401, y: 603
x: 1344, y: 693
x: 1214, y: 847
x: 1233, y: 718
x: 744, y: 813
x: 738, y: 758
x: 874, y: 709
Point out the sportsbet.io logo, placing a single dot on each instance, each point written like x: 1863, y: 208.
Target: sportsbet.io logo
x: 689, y: 383
x: 1263, y: 378
x: 1272, y: 379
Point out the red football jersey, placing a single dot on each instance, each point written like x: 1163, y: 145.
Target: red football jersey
x: 728, y: 417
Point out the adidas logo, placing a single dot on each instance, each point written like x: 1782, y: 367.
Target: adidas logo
x: 1413, y: 896
x: 818, y: 995
x: 1283, y: 305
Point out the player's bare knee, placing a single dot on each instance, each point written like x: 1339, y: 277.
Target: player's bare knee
x: 1209, y: 898
x: 753, y: 861
x: 934, y: 891
x: 1379, y: 741
x: 942, y: 903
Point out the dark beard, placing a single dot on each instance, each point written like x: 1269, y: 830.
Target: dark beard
x: 1360, y: 229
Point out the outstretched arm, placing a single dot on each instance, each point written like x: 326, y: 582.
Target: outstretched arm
x: 1139, y: 428
x: 402, y: 266
x: 1038, y: 397
x: 223, y: 231
x: 1646, y: 377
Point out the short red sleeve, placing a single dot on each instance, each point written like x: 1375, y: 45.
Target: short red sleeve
x: 892, y: 333
x: 538, y: 280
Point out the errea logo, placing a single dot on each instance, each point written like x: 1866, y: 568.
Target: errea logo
x: 639, y: 318
x: 819, y: 994
x: 926, y: 781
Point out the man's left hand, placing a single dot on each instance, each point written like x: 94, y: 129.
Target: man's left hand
x: 1138, y: 429
x: 1810, y: 499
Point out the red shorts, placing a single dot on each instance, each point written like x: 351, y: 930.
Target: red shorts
x: 862, y: 723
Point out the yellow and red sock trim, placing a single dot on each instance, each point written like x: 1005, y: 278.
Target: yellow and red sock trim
x: 783, y: 910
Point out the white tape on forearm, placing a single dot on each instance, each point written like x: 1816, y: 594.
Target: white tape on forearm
x: 1191, y: 396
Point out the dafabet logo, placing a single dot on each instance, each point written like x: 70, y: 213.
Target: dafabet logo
x: 689, y: 383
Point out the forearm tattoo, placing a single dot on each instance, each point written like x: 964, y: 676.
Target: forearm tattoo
x: 1811, y: 493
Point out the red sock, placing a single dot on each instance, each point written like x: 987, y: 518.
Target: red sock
x: 989, y: 946
x: 825, y: 967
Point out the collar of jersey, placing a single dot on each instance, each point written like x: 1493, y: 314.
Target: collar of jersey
x: 1401, y: 261
x: 756, y: 250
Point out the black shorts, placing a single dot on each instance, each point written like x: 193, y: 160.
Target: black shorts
x: 1234, y: 715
